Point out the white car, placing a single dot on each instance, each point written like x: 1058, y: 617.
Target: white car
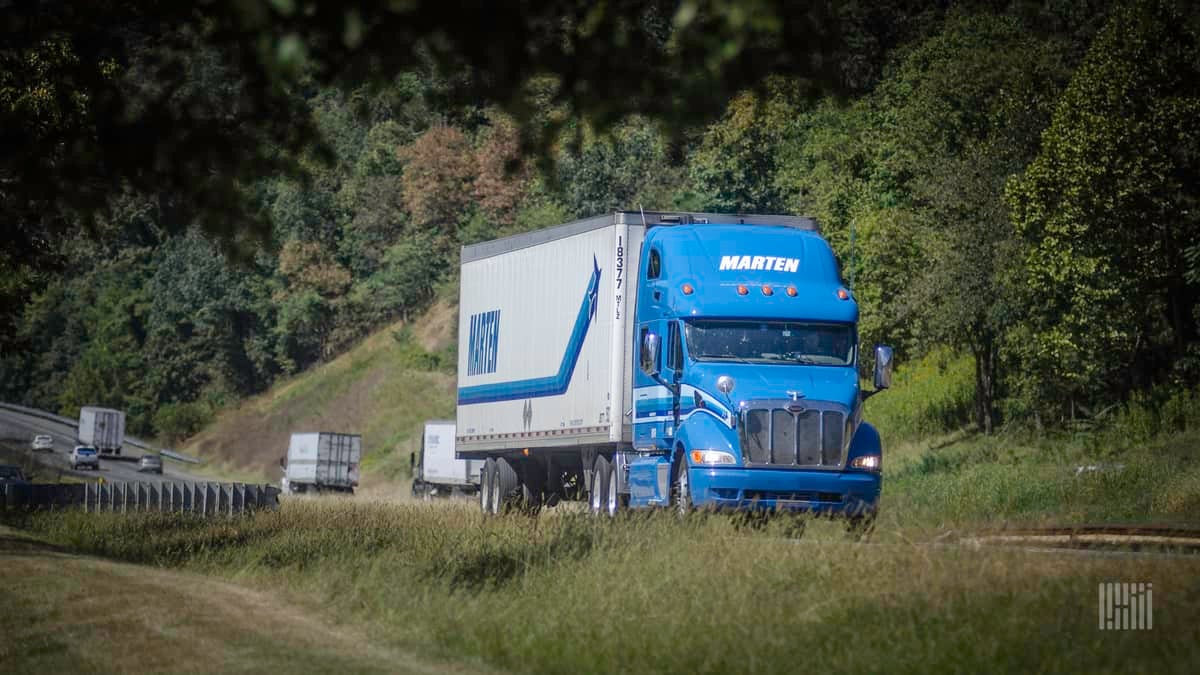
x: 85, y: 455
x: 43, y: 442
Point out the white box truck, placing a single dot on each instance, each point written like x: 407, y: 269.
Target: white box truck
x: 436, y: 469
x: 651, y: 359
x: 321, y: 461
x: 102, y: 429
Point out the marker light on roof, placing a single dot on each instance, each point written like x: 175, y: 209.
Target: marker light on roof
x: 791, y: 291
x: 742, y: 290
x: 687, y: 289
x: 843, y: 294
x: 768, y: 291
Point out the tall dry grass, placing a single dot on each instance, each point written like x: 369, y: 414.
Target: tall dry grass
x: 650, y: 594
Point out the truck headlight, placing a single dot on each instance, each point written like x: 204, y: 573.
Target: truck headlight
x: 867, y: 463
x: 712, y: 457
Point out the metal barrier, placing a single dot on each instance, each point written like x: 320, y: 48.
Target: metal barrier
x: 207, y: 499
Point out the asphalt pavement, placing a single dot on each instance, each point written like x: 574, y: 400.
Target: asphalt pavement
x: 21, y: 428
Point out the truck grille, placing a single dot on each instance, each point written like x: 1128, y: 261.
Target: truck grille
x: 793, y: 436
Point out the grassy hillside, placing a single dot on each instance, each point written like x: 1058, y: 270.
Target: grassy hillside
x: 383, y: 388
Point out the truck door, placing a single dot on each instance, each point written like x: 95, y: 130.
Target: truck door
x: 673, y: 372
x: 655, y: 384
x: 656, y: 403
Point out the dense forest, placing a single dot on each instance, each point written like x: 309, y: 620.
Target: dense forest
x: 1015, y: 181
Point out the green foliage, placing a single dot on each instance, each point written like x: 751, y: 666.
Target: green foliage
x: 177, y: 421
x: 413, y: 356
x: 1076, y: 287
x: 1107, y: 215
x: 929, y: 397
x: 733, y: 169
x: 961, y: 113
x: 404, y: 281
x: 626, y: 169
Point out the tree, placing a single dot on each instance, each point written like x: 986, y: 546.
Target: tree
x: 734, y: 168
x: 203, y: 319
x: 627, y: 168
x: 191, y: 103
x: 962, y: 112
x: 502, y: 177
x: 1108, y: 212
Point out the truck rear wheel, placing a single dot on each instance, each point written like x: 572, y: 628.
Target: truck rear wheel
x: 506, y: 484
x: 612, y: 499
x: 487, y: 477
x: 601, y: 473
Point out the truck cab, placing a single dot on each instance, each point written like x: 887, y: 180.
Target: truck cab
x: 746, y: 392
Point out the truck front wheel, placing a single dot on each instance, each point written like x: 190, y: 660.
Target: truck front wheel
x: 681, y: 494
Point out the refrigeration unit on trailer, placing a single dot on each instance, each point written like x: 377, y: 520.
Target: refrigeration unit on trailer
x: 321, y: 461
x: 102, y: 428
x: 643, y: 359
x: 436, y: 469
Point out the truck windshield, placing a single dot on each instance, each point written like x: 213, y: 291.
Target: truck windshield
x: 822, y: 344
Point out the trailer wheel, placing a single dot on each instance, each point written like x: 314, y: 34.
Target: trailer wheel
x: 486, y: 476
x: 506, y: 484
x: 599, y: 492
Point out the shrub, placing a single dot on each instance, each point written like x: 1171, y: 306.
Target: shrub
x: 930, y: 396
x: 176, y: 421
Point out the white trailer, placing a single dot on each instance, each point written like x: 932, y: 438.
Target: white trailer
x: 559, y: 377
x: 322, y: 461
x: 102, y: 428
x: 541, y: 403
x: 436, y: 469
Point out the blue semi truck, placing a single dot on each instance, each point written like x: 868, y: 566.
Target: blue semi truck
x: 665, y: 359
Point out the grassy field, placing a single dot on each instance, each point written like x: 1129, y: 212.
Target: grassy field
x: 565, y: 593
x: 65, y: 612
x: 435, y: 587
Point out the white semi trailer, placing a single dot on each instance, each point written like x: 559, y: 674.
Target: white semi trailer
x: 436, y: 470
x: 102, y: 428
x: 322, y: 461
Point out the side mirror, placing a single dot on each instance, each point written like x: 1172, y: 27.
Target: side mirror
x: 883, y: 367
x: 651, y: 344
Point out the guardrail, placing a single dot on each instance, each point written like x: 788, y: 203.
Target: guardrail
x: 206, y: 499
x: 51, y: 417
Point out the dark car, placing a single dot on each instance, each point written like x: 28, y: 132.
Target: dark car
x: 12, y: 474
x: 150, y: 464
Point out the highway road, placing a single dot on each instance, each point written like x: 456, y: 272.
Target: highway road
x: 19, y: 429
